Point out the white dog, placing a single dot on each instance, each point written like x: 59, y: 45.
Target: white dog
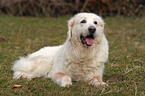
x: 81, y: 57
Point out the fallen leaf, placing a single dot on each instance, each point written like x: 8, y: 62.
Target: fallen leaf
x: 16, y: 86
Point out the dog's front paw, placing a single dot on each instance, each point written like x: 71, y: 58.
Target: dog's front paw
x: 63, y: 80
x: 100, y: 84
x: 66, y: 81
x: 97, y: 81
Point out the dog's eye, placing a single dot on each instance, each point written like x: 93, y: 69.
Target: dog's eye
x: 83, y: 21
x: 95, y: 22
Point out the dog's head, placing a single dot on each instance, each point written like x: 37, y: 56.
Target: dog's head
x: 85, y: 28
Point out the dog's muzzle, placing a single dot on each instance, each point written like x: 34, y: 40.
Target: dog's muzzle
x: 89, y: 39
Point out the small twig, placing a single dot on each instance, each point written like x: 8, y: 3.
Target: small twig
x: 135, y: 89
x: 131, y: 70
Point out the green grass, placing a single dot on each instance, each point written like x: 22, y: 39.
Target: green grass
x: 124, y: 71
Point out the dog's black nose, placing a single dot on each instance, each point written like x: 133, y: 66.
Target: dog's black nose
x: 92, y: 29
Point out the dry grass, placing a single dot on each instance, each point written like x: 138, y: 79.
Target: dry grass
x: 124, y: 71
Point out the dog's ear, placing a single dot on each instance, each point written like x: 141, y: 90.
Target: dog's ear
x: 70, y: 25
x: 102, y: 23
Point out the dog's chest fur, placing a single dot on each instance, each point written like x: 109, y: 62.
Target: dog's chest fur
x: 80, y: 68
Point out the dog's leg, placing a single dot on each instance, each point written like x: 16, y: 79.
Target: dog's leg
x: 96, y: 81
x: 62, y: 79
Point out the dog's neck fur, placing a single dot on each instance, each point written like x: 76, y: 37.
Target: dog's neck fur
x: 80, y: 51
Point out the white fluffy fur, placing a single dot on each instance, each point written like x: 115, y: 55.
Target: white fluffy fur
x: 79, y: 62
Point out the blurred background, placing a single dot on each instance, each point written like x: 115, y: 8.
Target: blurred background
x: 65, y: 7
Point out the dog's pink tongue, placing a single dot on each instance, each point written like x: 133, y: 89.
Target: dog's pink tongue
x: 89, y: 41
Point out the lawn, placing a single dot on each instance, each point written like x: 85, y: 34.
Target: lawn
x: 124, y: 71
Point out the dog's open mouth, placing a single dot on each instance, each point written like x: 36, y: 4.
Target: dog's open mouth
x: 88, y: 40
